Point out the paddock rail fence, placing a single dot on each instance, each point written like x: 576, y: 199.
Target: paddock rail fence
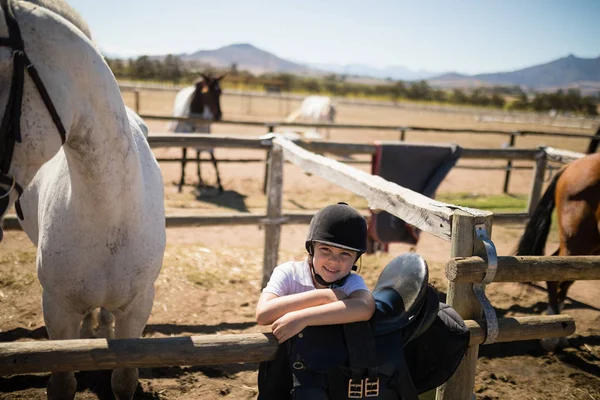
x: 540, y: 156
x: 594, y: 140
x: 460, y: 226
x: 482, y: 114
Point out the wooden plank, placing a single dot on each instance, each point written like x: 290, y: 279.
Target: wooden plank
x: 537, y: 183
x: 205, y: 160
x: 510, y: 218
x: 206, y: 140
x: 175, y: 221
x: 421, y: 129
x: 338, y: 148
x: 11, y: 222
x: 250, y: 160
x: 500, y: 154
x: 99, y: 354
x: 426, y: 214
x: 562, y: 156
x: 274, y: 206
x: 524, y: 328
x: 526, y: 268
x: 166, y: 139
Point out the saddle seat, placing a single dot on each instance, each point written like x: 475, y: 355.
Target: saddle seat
x: 403, y: 298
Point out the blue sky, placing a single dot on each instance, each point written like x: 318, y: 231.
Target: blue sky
x: 466, y: 36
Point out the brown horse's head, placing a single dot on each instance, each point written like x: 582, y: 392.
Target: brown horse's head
x: 207, y: 94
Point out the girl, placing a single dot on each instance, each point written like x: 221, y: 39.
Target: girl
x: 320, y: 290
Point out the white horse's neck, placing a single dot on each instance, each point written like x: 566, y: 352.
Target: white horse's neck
x: 100, y: 143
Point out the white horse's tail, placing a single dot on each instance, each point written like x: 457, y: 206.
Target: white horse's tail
x: 138, y: 120
x: 98, y: 323
x: 294, y: 115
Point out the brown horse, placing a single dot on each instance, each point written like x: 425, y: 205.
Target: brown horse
x: 201, y: 100
x: 575, y: 192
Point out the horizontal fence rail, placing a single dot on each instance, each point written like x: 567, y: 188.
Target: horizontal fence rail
x: 11, y: 222
x: 405, y: 128
x: 525, y: 268
x: 337, y: 148
x: 101, y: 354
x: 482, y: 114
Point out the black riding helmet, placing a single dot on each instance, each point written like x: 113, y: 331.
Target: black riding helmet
x: 338, y: 225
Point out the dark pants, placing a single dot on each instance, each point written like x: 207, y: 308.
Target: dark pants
x: 309, y: 386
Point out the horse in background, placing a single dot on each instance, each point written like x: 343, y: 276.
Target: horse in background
x: 202, y: 100
x: 575, y: 193
x: 314, y: 109
x: 86, y: 186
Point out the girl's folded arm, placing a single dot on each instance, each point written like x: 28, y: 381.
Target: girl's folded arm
x: 270, y: 306
x: 359, y: 306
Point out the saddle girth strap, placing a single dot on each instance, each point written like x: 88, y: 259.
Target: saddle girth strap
x: 362, y: 355
x: 362, y: 358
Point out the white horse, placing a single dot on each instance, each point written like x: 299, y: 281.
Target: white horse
x: 314, y: 109
x: 93, y: 192
x: 202, y: 100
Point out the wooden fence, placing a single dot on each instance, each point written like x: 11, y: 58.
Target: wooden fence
x: 482, y: 114
x: 461, y: 226
x: 402, y: 130
x: 541, y: 157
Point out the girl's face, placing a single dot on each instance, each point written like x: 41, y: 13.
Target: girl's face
x: 332, y: 263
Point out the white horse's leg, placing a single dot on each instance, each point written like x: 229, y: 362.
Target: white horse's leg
x: 130, y: 324
x: 61, y: 323
x: 88, y: 325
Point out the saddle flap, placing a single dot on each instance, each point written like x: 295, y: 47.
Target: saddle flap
x: 400, y: 291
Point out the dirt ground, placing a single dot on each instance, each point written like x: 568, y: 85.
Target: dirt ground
x: 210, y: 279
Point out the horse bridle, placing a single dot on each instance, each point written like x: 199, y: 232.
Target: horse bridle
x: 10, y: 129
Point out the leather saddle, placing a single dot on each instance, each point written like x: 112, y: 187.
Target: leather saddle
x: 349, y: 361
x: 403, y: 298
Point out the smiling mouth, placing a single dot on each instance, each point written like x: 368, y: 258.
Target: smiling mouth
x: 330, y: 270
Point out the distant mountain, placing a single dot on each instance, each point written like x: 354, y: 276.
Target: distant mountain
x: 570, y: 71
x: 247, y: 57
x: 566, y: 72
x: 395, y: 72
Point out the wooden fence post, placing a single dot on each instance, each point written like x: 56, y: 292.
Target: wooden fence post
x: 136, y: 95
x: 273, y: 221
x: 271, y: 129
x: 509, y: 163
x: 538, y: 181
x: 461, y: 298
x: 594, y: 142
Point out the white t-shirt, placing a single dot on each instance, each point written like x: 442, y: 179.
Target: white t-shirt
x: 295, y: 277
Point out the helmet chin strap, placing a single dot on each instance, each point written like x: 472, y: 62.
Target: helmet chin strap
x: 322, y: 281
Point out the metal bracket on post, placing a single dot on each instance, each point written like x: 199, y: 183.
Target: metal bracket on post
x: 479, y: 288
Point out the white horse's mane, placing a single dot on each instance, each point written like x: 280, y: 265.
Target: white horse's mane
x: 66, y: 11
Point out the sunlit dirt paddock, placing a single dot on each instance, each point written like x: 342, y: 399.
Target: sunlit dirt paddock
x: 210, y: 279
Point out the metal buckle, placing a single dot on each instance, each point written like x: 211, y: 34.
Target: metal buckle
x: 298, y: 365
x: 371, y: 387
x: 355, y: 390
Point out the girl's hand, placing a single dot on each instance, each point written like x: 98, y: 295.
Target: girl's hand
x: 287, y: 326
